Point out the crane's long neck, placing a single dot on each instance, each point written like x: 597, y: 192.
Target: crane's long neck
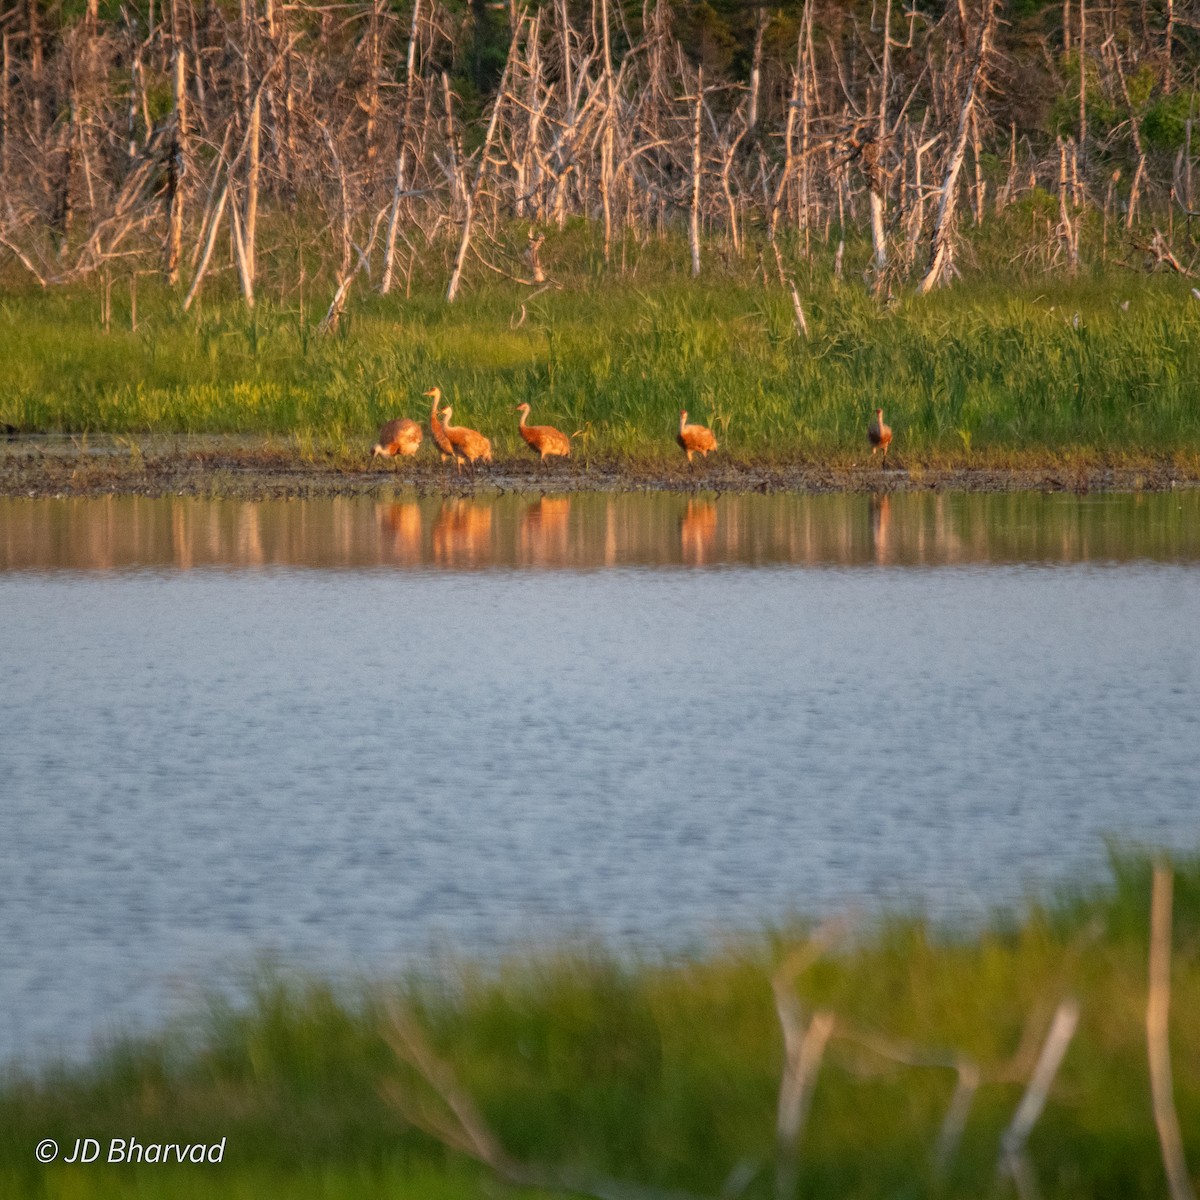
x: 433, y: 412
x: 682, y: 421
x: 524, y: 411
x: 447, y: 413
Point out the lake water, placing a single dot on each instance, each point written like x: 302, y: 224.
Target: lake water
x: 355, y: 735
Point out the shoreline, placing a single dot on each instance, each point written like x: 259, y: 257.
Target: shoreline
x: 244, y: 469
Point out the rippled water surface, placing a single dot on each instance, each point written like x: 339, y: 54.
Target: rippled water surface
x: 350, y: 734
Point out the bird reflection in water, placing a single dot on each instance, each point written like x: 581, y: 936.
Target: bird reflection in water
x: 543, y: 538
x: 881, y: 519
x: 462, y: 534
x: 698, y: 532
x: 400, y: 529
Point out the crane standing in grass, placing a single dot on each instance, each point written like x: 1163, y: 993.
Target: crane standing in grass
x: 695, y: 439
x: 879, y: 435
x: 466, y: 443
x: 437, y: 428
x: 401, y: 436
x: 543, y: 440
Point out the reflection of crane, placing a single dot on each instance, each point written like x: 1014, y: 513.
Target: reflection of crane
x: 466, y: 443
x: 437, y: 428
x: 401, y: 436
x: 697, y: 531
x: 879, y: 435
x: 544, y: 532
x: 881, y: 518
x: 462, y: 534
x: 695, y: 439
x: 403, y: 523
x: 544, y: 440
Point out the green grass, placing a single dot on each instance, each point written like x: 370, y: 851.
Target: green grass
x: 996, y: 371
x: 665, y: 1073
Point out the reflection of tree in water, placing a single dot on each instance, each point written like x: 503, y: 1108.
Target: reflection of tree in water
x: 698, y: 531
x: 543, y: 536
x: 400, y: 530
x: 462, y: 534
x: 881, y: 519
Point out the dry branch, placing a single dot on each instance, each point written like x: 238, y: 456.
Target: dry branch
x: 942, y: 247
x: 463, y: 1127
x: 1012, y: 1161
x: 1157, y: 1037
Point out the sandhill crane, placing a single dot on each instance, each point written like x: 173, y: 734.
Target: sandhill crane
x: 879, y: 434
x: 465, y: 443
x: 695, y: 439
x: 437, y: 428
x: 544, y: 440
x: 401, y: 436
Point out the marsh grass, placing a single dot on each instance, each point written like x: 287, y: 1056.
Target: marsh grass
x: 999, y: 371
x: 663, y: 1072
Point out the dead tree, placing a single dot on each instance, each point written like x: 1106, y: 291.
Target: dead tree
x: 942, y: 249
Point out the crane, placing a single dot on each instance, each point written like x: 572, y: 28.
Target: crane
x: 543, y: 440
x: 401, y: 436
x: 695, y: 439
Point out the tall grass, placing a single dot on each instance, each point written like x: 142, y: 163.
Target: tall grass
x: 665, y: 1073
x: 976, y: 373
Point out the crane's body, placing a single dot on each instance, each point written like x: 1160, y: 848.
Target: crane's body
x: 401, y: 436
x: 879, y: 434
x: 466, y: 444
x: 543, y: 440
x: 694, y: 439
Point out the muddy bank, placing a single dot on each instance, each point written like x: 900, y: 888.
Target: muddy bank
x: 246, y: 470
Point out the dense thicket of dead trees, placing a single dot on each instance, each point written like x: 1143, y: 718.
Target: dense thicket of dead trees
x: 371, y: 137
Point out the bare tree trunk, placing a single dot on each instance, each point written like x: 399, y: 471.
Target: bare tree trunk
x: 980, y: 185
x: 1131, y: 212
x: 942, y: 248
x: 1187, y: 179
x: 345, y: 274
x: 473, y: 195
x: 606, y: 149
x: 756, y: 61
x: 247, y: 261
x: 389, y: 248
x: 1157, y: 1039
x: 177, y: 163
x: 1083, y: 81
x: 788, y: 133
x: 375, y: 55
x: 694, y: 219
x: 1167, y: 81
x: 245, y: 274
x: 5, y: 109
x: 35, y: 69
x: 1070, y: 235
x: 457, y: 184
x: 877, y: 179
x: 210, y: 241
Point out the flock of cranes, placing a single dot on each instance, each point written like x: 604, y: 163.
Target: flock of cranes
x: 403, y: 437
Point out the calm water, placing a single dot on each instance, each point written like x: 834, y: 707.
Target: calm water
x: 352, y: 735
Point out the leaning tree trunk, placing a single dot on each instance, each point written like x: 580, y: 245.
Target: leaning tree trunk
x: 389, y: 245
x: 942, y: 247
x: 877, y: 178
x: 473, y: 195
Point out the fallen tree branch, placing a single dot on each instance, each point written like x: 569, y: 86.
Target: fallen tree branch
x: 1012, y: 1161
x: 464, y: 1128
x: 1157, y: 1045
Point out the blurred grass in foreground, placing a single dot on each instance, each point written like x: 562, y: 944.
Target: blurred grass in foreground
x: 1103, y: 367
x: 660, y: 1073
